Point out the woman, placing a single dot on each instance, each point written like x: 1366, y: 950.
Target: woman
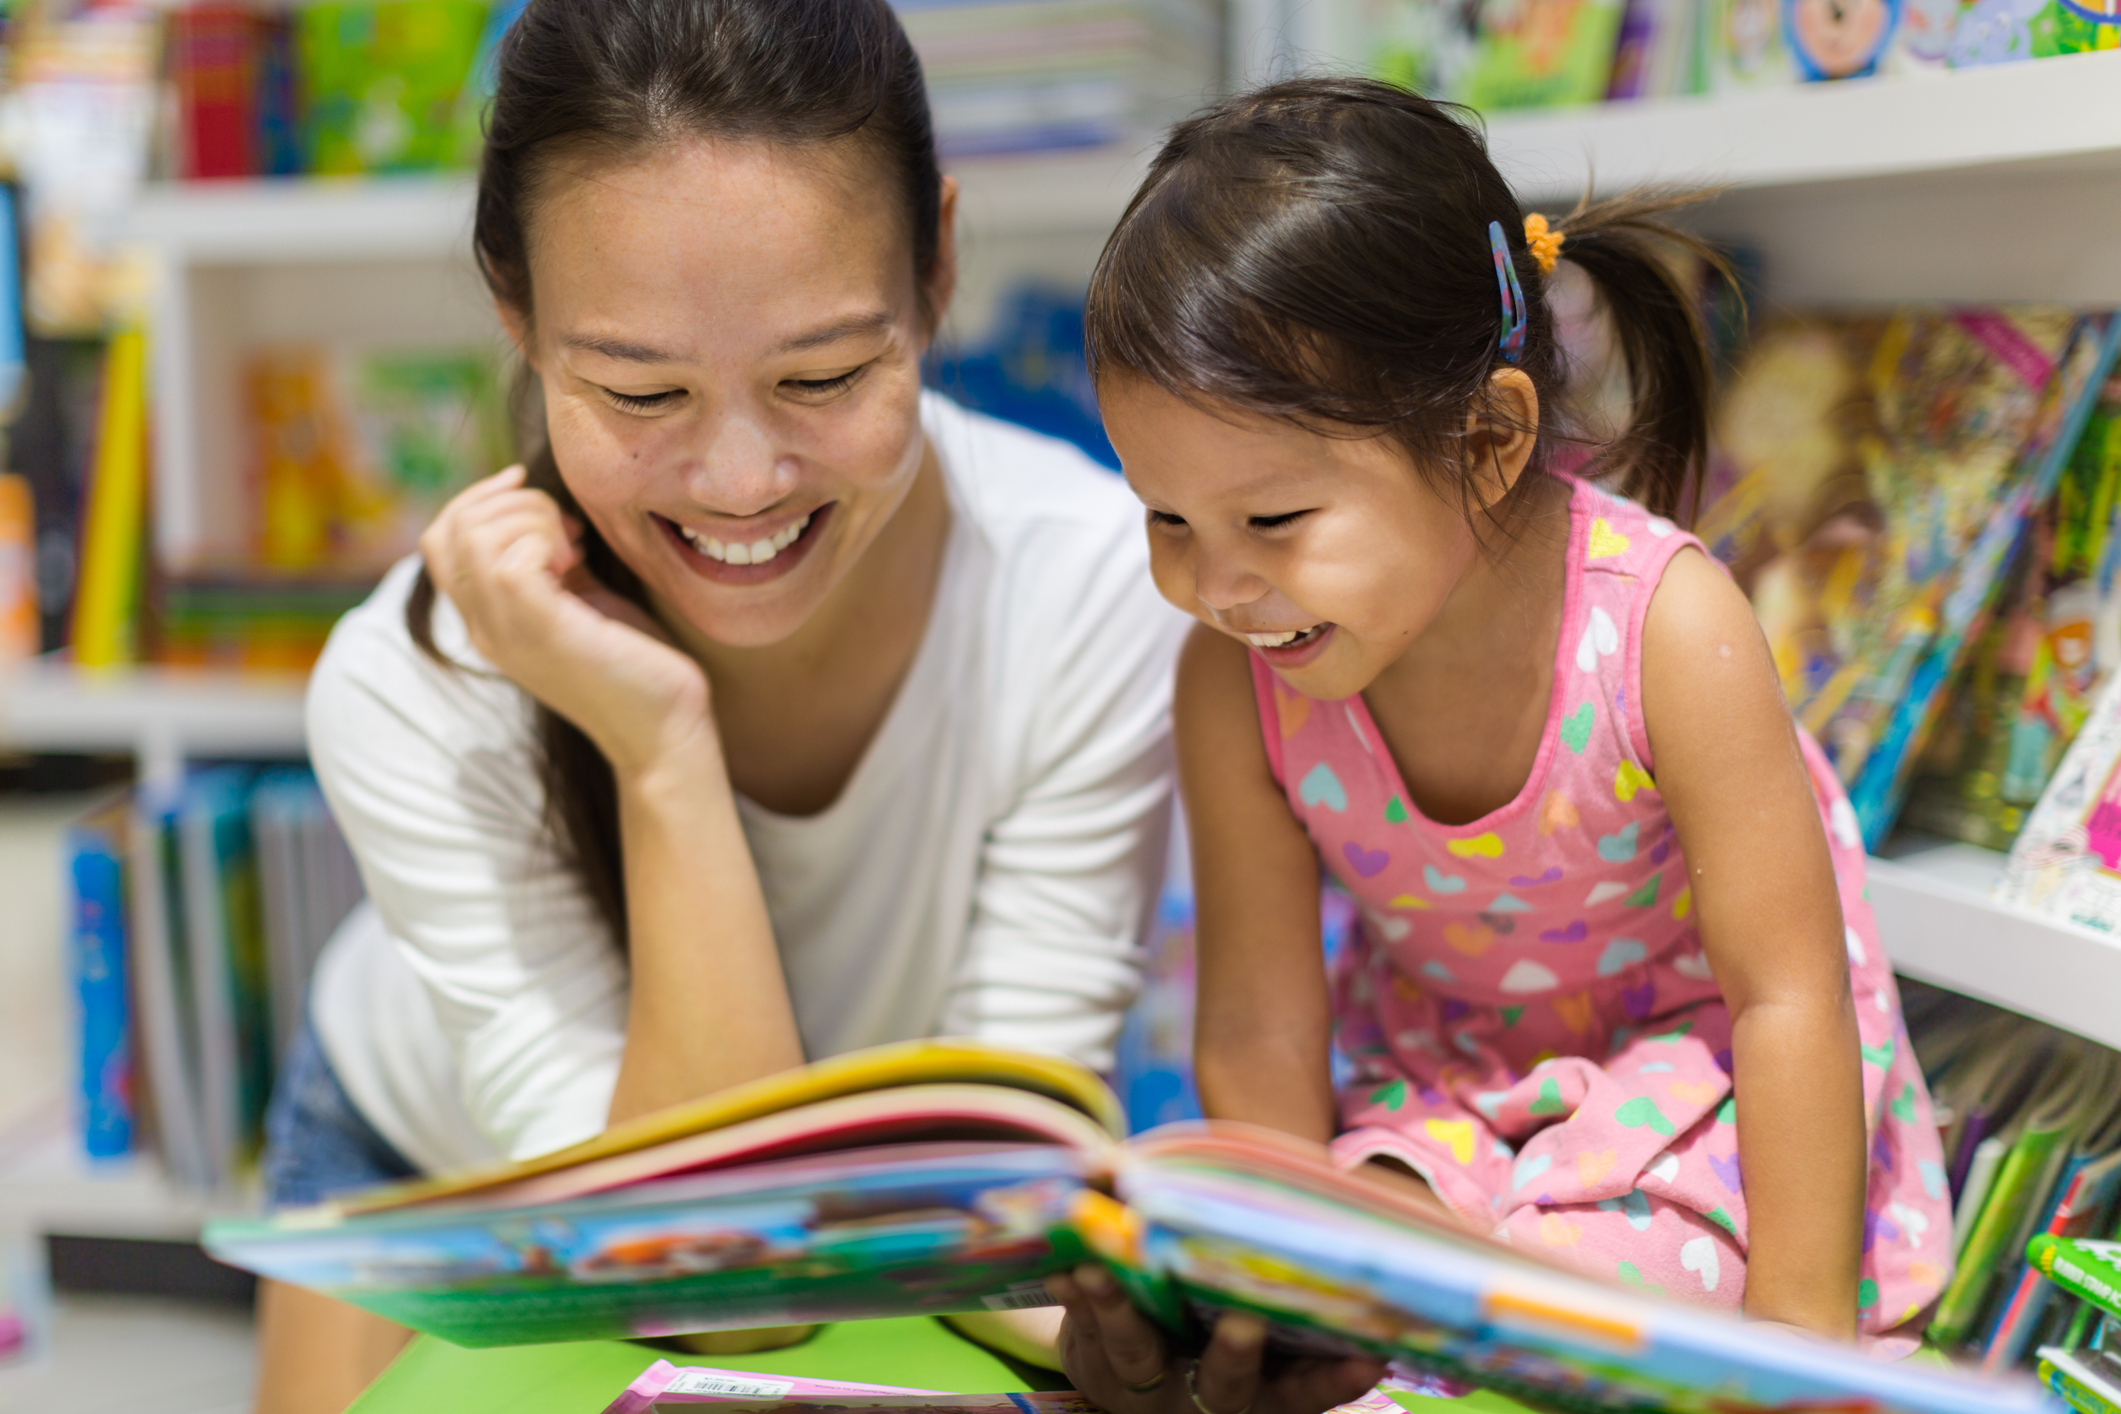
x: 778, y: 708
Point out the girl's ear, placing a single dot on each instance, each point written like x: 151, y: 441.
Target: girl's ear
x: 1500, y: 435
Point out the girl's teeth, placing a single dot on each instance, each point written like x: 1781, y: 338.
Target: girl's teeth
x: 736, y: 552
x: 1279, y: 640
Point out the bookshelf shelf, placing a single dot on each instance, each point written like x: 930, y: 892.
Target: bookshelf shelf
x: 1940, y: 925
x: 2057, y: 112
x: 298, y: 220
x: 47, y: 1186
x: 162, y: 715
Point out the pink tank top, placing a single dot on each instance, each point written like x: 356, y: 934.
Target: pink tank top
x: 1571, y: 900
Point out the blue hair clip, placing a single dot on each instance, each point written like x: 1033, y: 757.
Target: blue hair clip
x: 1514, y: 313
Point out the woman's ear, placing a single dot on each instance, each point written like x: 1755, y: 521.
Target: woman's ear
x: 517, y: 328
x: 1501, y: 433
x: 942, y: 282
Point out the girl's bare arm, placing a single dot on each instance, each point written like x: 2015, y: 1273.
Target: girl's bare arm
x: 1728, y: 767
x: 1262, y: 1031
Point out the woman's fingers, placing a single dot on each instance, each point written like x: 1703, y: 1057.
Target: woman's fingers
x: 1133, y: 1346
x: 1312, y: 1385
x: 1227, y: 1378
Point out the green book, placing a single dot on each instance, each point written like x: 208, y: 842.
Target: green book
x: 1989, y: 1243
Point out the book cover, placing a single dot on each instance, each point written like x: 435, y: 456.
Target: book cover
x: 1542, y: 53
x: 381, y: 81
x: 853, y: 1188
x: 1872, y: 476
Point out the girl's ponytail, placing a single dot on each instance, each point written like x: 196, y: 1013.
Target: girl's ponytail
x: 1657, y: 326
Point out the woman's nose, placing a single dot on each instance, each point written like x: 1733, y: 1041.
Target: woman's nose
x: 736, y: 468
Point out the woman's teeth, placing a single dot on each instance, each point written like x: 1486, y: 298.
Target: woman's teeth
x: 1282, y: 640
x: 737, y: 552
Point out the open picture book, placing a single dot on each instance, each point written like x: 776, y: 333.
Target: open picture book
x: 944, y: 1176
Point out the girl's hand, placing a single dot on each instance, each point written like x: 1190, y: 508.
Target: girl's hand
x: 509, y: 560
x: 1118, y: 1359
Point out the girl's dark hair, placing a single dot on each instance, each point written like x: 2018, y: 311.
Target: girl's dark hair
x: 1318, y: 250
x: 609, y: 79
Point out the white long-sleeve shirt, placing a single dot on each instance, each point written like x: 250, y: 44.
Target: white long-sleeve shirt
x: 986, y: 872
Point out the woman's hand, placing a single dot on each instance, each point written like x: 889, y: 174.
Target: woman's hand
x: 1118, y: 1359
x: 508, y: 559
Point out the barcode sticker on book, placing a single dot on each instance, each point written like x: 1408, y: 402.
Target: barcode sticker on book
x: 1021, y: 1296
x: 714, y: 1382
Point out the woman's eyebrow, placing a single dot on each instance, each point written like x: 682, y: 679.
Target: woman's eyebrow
x: 874, y: 322
x: 619, y: 349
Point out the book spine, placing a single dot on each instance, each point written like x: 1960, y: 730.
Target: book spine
x: 1964, y: 1298
x: 164, y: 1045
x: 213, y: 59
x: 19, y: 629
x: 97, y: 870
x: 106, y: 606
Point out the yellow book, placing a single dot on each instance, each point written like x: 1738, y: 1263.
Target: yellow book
x: 107, y: 601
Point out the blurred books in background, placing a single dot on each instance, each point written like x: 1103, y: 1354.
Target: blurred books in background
x: 1023, y: 76
x: 1545, y: 53
x: 198, y: 914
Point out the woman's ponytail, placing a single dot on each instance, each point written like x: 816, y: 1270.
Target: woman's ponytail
x: 1656, y: 318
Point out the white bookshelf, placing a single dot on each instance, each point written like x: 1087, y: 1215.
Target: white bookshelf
x: 1939, y: 924
x: 164, y: 716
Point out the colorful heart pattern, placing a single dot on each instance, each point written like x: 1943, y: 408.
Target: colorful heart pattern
x: 1536, y: 978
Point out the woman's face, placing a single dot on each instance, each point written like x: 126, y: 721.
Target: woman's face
x: 729, y: 336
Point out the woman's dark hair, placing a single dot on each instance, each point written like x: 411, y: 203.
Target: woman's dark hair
x: 1318, y: 250
x: 610, y: 79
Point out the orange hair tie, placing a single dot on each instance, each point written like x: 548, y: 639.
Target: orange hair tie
x: 1543, y: 241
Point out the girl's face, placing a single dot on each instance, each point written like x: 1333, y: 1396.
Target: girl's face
x: 729, y: 337
x: 1329, y: 555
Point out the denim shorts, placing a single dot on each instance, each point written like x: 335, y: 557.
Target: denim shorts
x: 317, y: 1144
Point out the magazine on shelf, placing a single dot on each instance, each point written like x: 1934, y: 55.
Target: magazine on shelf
x: 949, y: 1176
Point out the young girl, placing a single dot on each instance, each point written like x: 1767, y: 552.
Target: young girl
x: 1614, y: 949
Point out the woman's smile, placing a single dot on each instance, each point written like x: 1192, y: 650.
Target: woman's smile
x: 753, y: 557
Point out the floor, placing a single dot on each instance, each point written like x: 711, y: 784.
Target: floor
x: 109, y: 1354
x: 103, y: 1354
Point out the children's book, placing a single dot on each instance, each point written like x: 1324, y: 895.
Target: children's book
x: 1541, y: 53
x: 1873, y: 477
x: 950, y: 1176
x: 381, y: 79
x: 2076, y: 1096
x: 2084, y: 1207
x: 219, y: 886
x: 2066, y: 862
x: 162, y: 990
x: 2088, y: 1384
x: 664, y: 1386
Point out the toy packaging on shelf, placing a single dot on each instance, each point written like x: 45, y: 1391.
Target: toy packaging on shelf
x: 1873, y: 476
x: 353, y: 451
x: 948, y: 1176
x: 197, y: 914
